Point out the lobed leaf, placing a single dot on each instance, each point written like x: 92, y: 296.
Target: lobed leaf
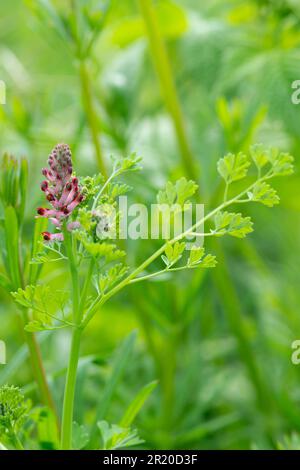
x: 259, y: 154
x: 178, y: 193
x: 197, y: 258
x: 264, y: 193
x: 232, y: 224
x: 233, y: 167
x: 282, y: 163
x: 116, y: 437
x: 173, y: 253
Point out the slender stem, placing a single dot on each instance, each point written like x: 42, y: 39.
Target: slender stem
x: 226, y: 191
x: 148, y: 276
x: 71, y: 254
x: 158, y: 273
x: 86, y: 285
x: 69, y: 395
x: 198, y: 234
x: 86, y: 90
x: 167, y: 84
x: 91, y: 115
x: 112, y: 176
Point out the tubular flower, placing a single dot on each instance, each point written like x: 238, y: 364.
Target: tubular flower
x: 61, y: 189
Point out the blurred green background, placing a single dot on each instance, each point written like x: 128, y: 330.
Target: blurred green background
x: 218, y: 342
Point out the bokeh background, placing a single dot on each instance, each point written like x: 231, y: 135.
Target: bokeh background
x: 218, y: 342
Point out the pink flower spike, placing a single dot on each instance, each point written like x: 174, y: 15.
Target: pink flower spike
x: 61, y: 189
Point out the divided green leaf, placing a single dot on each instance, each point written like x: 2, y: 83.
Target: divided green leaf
x: 178, y: 193
x: 233, y: 167
x: 232, y: 224
x: 116, y: 437
x: 173, y: 253
x: 197, y: 258
x: 130, y: 163
x: 282, y: 163
x: 46, y: 305
x: 264, y: 193
x: 259, y: 154
x: 80, y: 436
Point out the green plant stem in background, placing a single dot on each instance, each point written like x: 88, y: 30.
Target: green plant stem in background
x: 87, y: 93
x: 91, y: 115
x: 167, y: 84
x: 39, y: 370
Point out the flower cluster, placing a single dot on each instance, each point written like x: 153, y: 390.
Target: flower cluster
x: 62, y: 191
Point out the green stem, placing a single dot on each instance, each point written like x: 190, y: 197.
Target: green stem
x: 91, y: 115
x: 226, y: 192
x: 86, y: 91
x: 167, y: 84
x: 71, y: 255
x: 69, y: 395
x: 86, y: 285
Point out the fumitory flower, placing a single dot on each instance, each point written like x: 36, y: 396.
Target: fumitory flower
x: 62, y: 190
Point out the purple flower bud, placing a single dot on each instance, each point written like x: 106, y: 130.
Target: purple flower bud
x: 52, y: 236
x: 44, y: 186
x: 41, y: 211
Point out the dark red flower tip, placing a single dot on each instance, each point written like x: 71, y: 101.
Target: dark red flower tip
x: 41, y: 211
x: 80, y: 198
x: 68, y: 186
x: 44, y: 185
x: 65, y: 211
x: 75, y: 181
x: 47, y: 236
x: 50, y: 197
x: 44, y: 171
